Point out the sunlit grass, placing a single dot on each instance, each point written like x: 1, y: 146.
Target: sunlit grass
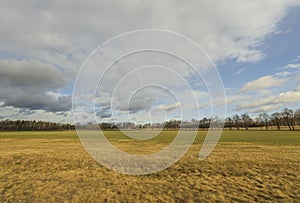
x: 244, y: 167
x: 268, y: 137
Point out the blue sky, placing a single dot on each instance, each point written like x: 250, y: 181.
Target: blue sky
x: 255, y: 46
x: 280, y: 49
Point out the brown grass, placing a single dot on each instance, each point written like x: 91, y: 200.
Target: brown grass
x: 60, y: 170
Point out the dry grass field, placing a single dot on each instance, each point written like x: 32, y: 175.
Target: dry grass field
x: 256, y: 166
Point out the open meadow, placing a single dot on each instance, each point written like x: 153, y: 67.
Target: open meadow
x: 245, y: 166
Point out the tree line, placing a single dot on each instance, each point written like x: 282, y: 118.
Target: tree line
x: 24, y: 125
x: 287, y: 118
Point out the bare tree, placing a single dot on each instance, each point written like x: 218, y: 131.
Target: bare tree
x: 229, y: 122
x: 297, y: 116
x: 246, y: 119
x: 264, y: 120
x: 259, y: 119
x: 237, y: 121
x: 276, y: 118
x: 288, y: 116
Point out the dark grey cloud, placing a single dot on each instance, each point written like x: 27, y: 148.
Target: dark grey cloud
x: 30, y: 73
x: 64, y: 114
x: 104, y: 114
x: 25, y: 112
x: 138, y: 104
x: 31, y: 85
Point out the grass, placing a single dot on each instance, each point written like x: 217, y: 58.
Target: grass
x: 261, y: 137
x: 245, y: 166
x: 38, y: 135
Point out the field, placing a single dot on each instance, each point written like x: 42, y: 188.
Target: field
x: 245, y: 166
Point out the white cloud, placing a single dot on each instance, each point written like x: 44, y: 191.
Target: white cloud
x: 231, y: 99
x: 169, y: 107
x: 297, y: 58
x: 55, y: 34
x: 283, y: 74
x: 282, y: 98
x: 279, y: 32
x: 240, y: 71
x: 203, y: 105
x: 265, y: 108
x: 61, y: 34
x: 263, y: 82
x: 264, y: 92
x: 12, y: 113
x: 292, y: 66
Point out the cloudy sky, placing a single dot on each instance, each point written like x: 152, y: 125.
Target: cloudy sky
x: 254, y: 44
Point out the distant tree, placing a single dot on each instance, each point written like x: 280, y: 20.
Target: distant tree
x: 22, y: 125
x: 263, y: 120
x: 288, y: 117
x: 297, y: 117
x: 204, y: 123
x: 266, y: 119
x: 237, y: 121
x: 246, y: 120
x: 229, y: 122
x: 172, y: 124
x: 276, y: 118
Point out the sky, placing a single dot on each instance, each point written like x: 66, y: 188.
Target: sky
x: 254, y: 46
